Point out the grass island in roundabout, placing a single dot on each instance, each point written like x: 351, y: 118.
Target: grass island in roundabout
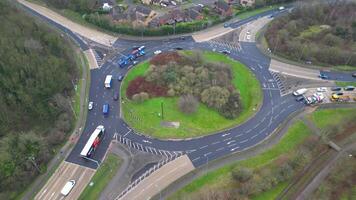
x: 187, y: 94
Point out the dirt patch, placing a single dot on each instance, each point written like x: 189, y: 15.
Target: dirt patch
x: 170, y: 124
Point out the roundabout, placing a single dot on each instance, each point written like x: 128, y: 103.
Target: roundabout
x: 249, y: 130
x: 146, y: 117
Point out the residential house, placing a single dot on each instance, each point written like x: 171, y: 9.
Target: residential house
x: 223, y: 8
x: 194, y: 13
x: 247, y: 3
x: 142, y: 15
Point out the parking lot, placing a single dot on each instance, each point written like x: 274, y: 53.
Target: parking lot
x: 315, y: 96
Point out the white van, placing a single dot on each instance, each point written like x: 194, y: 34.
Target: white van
x: 68, y: 187
x: 300, y: 92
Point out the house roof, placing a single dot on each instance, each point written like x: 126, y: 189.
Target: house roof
x: 192, y: 13
x: 221, y: 4
x: 143, y: 9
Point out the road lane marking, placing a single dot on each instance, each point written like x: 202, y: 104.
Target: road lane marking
x: 254, y: 136
x: 219, y: 149
x: 195, y: 159
x: 249, y: 130
x: 238, y: 135
x: 207, y: 154
x: 225, y: 134
x: 217, y: 142
x: 230, y: 142
x: 203, y: 147
x: 243, y: 141
x: 227, y: 139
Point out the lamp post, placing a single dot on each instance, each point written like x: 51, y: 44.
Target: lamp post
x: 162, y: 110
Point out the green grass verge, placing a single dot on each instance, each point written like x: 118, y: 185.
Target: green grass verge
x: 271, y: 194
x: 101, y: 178
x: 222, y: 177
x: 144, y: 117
x: 332, y: 117
x: 251, y: 13
x: 344, y: 84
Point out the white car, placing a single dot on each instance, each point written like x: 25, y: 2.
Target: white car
x: 67, y: 187
x: 157, y: 52
x: 321, y: 89
x: 248, y: 37
x: 90, y: 106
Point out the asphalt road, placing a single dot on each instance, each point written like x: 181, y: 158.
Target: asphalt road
x: 273, y: 111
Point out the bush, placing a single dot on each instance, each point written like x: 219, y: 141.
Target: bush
x: 215, y: 96
x: 188, y: 104
x: 139, y: 85
x: 141, y: 97
x: 242, y: 174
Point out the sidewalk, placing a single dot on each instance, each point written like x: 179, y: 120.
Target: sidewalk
x: 92, y: 34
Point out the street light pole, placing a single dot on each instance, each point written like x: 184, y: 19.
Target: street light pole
x: 162, y: 110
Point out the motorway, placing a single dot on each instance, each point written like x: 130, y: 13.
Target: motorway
x: 274, y: 110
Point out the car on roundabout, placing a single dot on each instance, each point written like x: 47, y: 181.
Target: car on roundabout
x: 157, y: 52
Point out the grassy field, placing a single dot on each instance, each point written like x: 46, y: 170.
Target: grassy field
x: 221, y: 178
x: 101, y: 178
x: 144, y: 117
x: 255, y: 12
x: 331, y: 117
x: 344, y: 84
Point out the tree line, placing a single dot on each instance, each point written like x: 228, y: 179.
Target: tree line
x: 37, y: 73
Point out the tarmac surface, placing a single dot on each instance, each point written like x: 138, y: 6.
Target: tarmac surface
x: 275, y: 107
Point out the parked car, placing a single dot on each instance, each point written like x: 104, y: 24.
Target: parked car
x: 308, y: 62
x: 91, y: 105
x: 300, y: 92
x: 338, y: 93
x: 321, y: 89
x: 336, y: 88
x: 354, y: 75
x: 226, y: 25
x: 178, y: 48
x: 157, y: 52
x: 300, y: 98
x: 349, y: 88
x: 323, y: 76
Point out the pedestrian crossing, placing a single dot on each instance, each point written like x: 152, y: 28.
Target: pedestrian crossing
x: 280, y: 83
x: 98, y: 59
x: 220, y: 45
x: 146, y: 148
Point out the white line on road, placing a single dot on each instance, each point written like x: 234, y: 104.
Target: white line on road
x: 195, y: 159
x: 227, y: 139
x: 243, y: 141
x: 203, y: 147
x: 254, y: 136
x: 217, y: 142
x: 219, y: 149
x: 207, y: 154
x: 230, y: 142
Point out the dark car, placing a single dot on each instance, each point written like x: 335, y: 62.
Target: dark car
x: 354, y: 75
x: 323, y: 76
x: 178, y: 48
x: 120, y: 78
x: 182, y: 38
x: 336, y: 88
x: 226, y: 52
x: 116, y: 96
x: 299, y: 98
x: 226, y: 25
x: 349, y: 88
x: 338, y: 93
